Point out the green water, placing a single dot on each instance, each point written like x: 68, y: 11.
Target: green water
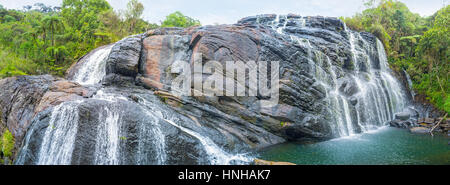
x: 386, y: 146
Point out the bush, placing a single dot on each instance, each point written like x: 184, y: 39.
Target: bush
x: 177, y: 19
x: 13, y: 65
x: 7, y: 144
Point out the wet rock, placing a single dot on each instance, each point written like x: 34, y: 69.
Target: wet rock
x: 24, y: 97
x: 136, y: 145
x: 402, y: 123
x: 18, y: 101
x: 63, y: 91
x: 354, y: 101
x: 140, y: 69
x: 349, y: 87
x: 282, y: 112
x: 124, y: 57
x: 403, y: 116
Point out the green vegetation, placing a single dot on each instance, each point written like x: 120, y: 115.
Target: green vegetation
x: 177, y: 19
x: 418, y: 45
x: 6, y: 144
x: 42, y: 39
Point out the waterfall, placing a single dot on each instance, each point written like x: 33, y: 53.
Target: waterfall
x: 377, y: 98
x: 109, y: 134
x: 379, y: 94
x: 93, y: 69
x: 215, y: 153
x: 108, y: 138
x: 410, y: 84
x: 59, y: 139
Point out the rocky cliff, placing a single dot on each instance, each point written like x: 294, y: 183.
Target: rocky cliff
x: 115, y: 105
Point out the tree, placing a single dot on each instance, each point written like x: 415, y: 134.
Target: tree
x: 43, y: 8
x: 54, y: 24
x: 49, y: 39
x: 9, y: 18
x: 434, y: 53
x: 134, y: 11
x: 177, y: 19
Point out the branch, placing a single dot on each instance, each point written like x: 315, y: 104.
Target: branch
x: 435, y: 126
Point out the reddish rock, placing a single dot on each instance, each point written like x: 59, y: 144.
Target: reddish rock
x: 152, y: 72
x: 62, y: 91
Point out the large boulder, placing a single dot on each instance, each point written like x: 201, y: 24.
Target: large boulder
x: 124, y: 57
x: 301, y: 98
x: 402, y: 123
x: 18, y: 100
x: 24, y: 97
x: 403, y: 116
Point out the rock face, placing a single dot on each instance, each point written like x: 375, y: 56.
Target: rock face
x: 25, y: 96
x: 333, y: 82
x: 402, y: 116
x: 18, y: 100
x: 124, y: 57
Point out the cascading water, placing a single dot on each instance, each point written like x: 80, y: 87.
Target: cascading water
x: 108, y: 138
x: 58, y: 142
x: 216, y: 154
x: 379, y: 94
x: 94, y: 69
x: 377, y: 98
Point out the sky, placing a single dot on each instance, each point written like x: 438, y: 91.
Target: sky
x: 230, y: 11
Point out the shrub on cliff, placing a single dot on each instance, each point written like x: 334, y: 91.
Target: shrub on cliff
x: 7, y: 144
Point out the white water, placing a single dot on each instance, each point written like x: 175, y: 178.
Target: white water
x: 379, y: 99
x: 59, y: 139
x: 108, y: 138
x: 379, y: 96
x: 94, y: 68
x: 216, y: 154
x: 158, y: 140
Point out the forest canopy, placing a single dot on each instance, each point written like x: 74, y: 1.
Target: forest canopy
x: 41, y: 39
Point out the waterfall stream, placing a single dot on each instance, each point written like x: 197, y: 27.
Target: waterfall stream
x: 377, y: 99
x: 379, y: 94
x: 59, y: 139
x: 58, y: 142
x: 94, y: 68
